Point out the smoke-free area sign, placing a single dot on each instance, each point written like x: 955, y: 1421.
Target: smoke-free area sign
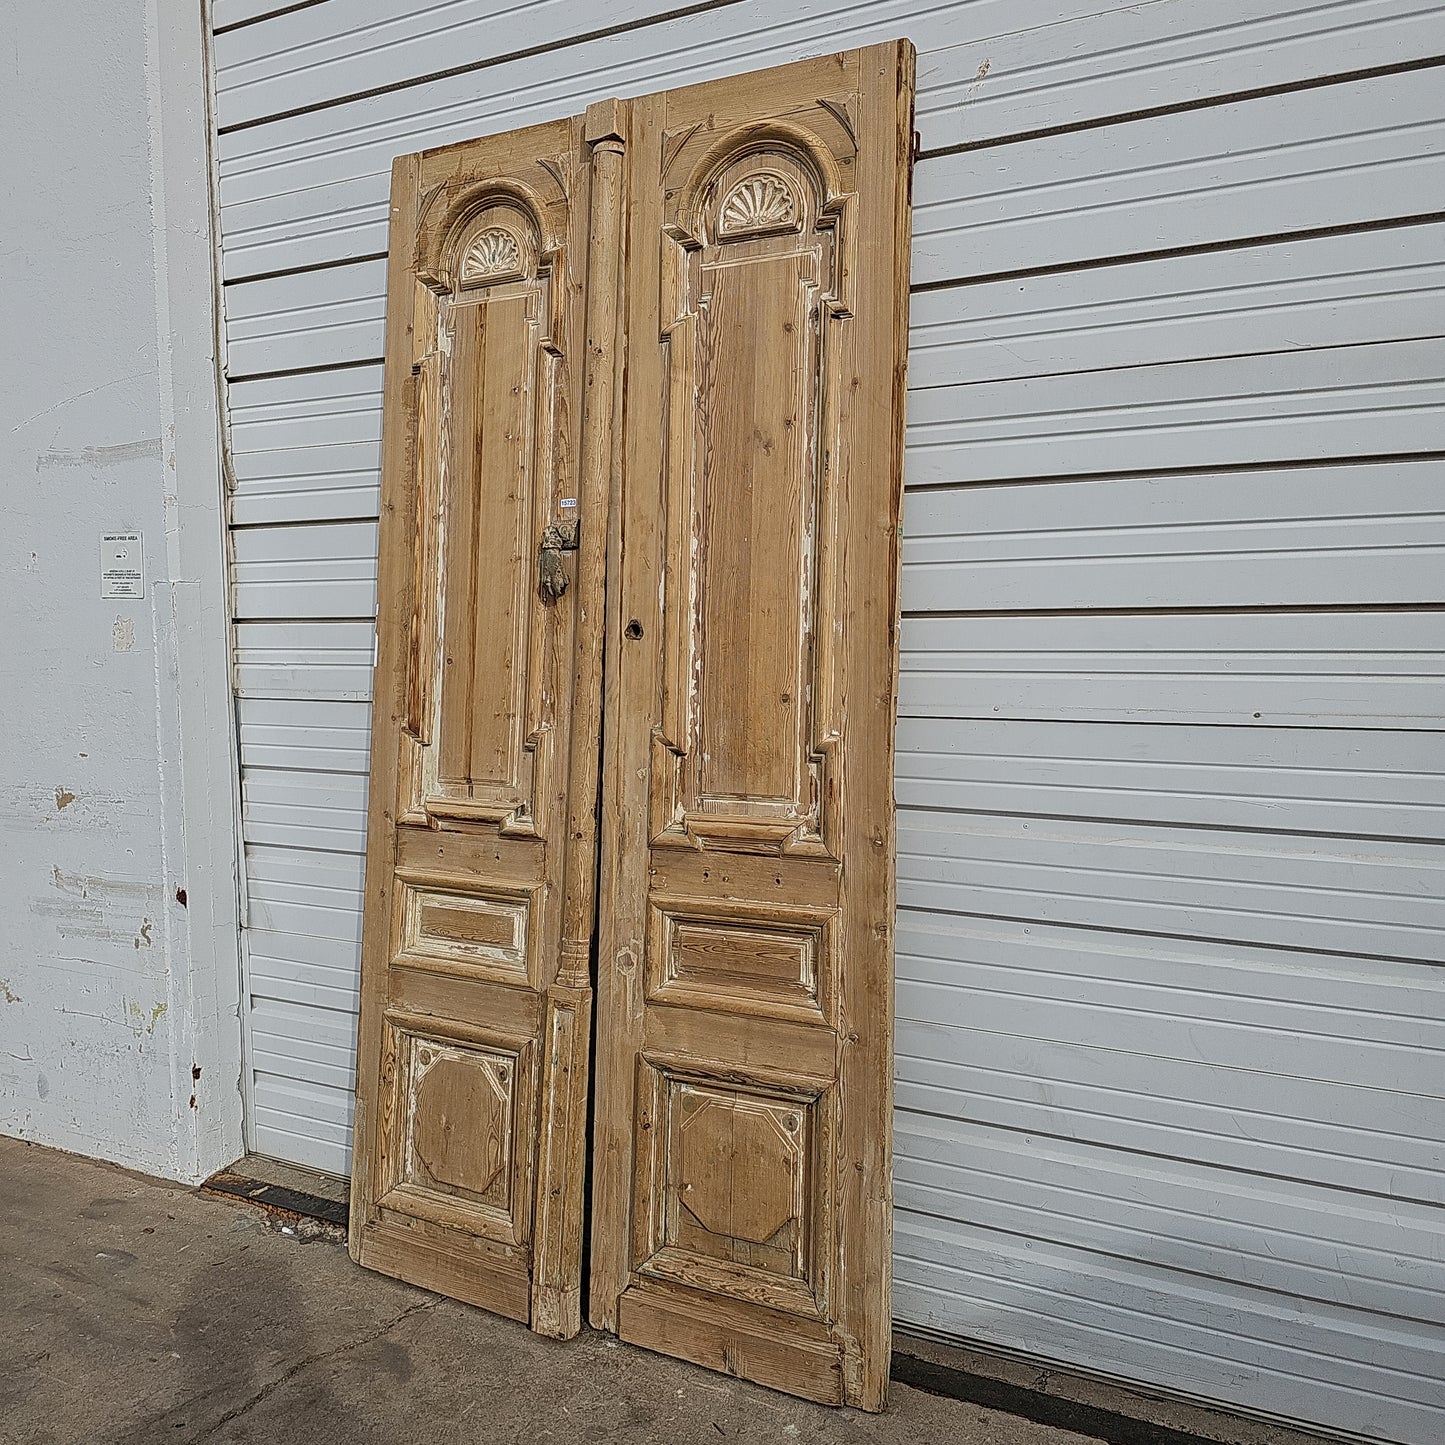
x: 122, y: 565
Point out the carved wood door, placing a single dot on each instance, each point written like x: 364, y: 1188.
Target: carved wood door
x: 476, y: 998
x: 742, y: 1191
x: 745, y: 245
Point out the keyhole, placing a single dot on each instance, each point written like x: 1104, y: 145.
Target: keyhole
x: 634, y: 629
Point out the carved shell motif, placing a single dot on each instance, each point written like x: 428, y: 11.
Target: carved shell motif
x: 761, y: 203
x: 494, y: 255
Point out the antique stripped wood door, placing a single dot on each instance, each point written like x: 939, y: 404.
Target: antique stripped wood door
x: 742, y: 1191
x: 476, y: 999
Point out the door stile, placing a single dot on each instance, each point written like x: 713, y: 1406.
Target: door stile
x: 630, y: 679
x: 394, y: 684
x: 567, y: 1028
x: 873, y: 610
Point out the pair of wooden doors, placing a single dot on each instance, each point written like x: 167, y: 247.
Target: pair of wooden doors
x: 644, y: 404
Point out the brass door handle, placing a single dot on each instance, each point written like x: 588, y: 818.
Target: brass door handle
x: 559, y: 537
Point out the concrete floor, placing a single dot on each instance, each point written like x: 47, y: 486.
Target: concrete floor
x: 137, y: 1311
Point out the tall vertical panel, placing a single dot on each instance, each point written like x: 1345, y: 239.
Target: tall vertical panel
x: 742, y: 1192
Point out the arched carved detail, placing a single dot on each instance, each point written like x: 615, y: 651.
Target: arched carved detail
x: 494, y: 254
x: 463, y: 237
x: 760, y: 180
x: 760, y: 204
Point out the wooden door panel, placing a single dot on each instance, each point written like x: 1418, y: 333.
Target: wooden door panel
x: 464, y: 1177
x: 741, y: 1209
x: 745, y: 243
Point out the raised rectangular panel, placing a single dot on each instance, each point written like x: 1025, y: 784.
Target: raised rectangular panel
x: 706, y: 954
x: 754, y: 274
x: 466, y: 933
x: 733, y: 1173
x: 455, y: 1158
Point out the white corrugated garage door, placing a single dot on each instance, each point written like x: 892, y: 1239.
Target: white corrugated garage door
x: 1170, y: 998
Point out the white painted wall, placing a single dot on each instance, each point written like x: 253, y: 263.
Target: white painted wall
x: 116, y: 741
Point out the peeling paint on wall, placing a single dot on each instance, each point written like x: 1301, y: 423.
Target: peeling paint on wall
x: 110, y: 421
x: 97, y: 458
x: 105, y: 909
x: 140, y: 1021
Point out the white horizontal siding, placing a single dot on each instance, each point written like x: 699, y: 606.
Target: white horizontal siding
x: 1116, y: 61
x: 303, y: 58
x: 1169, y: 775
x: 325, y: 570
x: 307, y: 483
x: 1282, y: 1232
x: 1291, y: 162
x: 312, y: 188
x: 1320, y: 893
x: 291, y: 730
x: 1225, y: 411
x: 1325, y: 291
x: 325, y: 811
x: 292, y: 659
x: 292, y: 1117
x: 328, y: 318
x: 1164, y: 51
x: 1339, y: 536
x: 1338, y: 782
x: 1128, y: 1317
x: 1260, y: 669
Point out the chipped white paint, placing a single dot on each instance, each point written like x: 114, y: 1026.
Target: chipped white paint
x: 115, y: 782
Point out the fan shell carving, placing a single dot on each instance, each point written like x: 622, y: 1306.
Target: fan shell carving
x: 758, y: 205
x: 492, y: 256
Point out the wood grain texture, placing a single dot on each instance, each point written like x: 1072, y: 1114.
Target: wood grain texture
x: 742, y: 1194
x: 749, y: 524
x: 561, y: 1206
x: 472, y: 1051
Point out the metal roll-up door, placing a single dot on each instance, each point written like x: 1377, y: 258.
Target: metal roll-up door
x: 1170, y: 994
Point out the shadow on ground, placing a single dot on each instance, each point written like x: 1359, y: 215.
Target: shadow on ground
x: 137, y: 1312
